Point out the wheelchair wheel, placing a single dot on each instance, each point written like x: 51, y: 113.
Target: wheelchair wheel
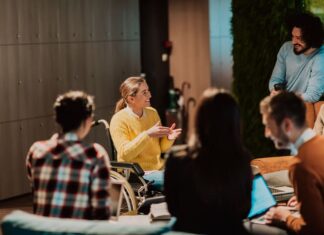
x: 129, y: 202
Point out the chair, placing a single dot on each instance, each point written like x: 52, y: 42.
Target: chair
x: 312, y: 110
x: 23, y: 223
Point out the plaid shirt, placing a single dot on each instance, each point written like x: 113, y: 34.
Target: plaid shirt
x: 69, y: 178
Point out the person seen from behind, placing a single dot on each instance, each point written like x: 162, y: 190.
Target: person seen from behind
x: 69, y: 178
x: 208, y: 187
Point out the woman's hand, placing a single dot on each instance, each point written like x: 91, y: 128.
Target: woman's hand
x: 174, y: 132
x: 158, y: 131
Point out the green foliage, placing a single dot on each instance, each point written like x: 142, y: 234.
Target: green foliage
x: 258, y: 28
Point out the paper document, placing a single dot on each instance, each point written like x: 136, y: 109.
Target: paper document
x: 159, y: 211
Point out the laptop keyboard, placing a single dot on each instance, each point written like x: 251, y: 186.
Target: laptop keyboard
x: 275, y: 190
x: 281, y: 195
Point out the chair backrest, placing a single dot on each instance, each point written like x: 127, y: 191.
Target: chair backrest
x: 23, y: 223
x: 105, y: 133
x: 312, y: 110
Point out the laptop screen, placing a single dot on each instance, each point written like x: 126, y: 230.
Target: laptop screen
x: 261, y: 197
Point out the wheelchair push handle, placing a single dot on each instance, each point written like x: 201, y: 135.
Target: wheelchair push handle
x: 99, y: 122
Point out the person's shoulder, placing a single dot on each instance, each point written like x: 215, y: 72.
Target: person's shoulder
x: 95, y: 151
x: 41, y: 147
x: 179, y: 155
x: 286, y: 47
x: 179, y: 162
x: 120, y: 113
x: 100, y: 150
x: 320, y: 53
x: 150, y: 110
x: 119, y: 116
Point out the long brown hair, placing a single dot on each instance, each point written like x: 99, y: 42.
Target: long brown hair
x: 129, y: 87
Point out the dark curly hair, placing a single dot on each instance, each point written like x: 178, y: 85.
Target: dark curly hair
x: 311, y: 27
x: 72, y: 108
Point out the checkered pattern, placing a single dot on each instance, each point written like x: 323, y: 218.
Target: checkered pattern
x: 69, y: 178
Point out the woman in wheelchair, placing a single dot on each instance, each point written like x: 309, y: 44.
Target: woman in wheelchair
x: 136, y: 128
x: 208, y: 187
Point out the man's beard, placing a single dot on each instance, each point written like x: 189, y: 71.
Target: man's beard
x: 282, y: 142
x: 302, y: 50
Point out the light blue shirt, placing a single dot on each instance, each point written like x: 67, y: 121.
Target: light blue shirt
x: 303, y: 74
x: 307, y: 135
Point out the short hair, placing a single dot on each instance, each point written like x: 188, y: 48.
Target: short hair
x: 72, y: 108
x: 285, y: 105
x: 265, y: 105
x: 311, y: 27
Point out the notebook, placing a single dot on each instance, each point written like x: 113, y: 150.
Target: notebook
x: 116, y: 197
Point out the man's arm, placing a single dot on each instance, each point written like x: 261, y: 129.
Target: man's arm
x: 309, y: 195
x: 315, y: 86
x: 279, y: 71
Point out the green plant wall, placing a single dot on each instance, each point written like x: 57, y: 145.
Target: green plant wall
x: 258, y: 28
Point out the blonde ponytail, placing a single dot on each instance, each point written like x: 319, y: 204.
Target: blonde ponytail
x: 120, y: 105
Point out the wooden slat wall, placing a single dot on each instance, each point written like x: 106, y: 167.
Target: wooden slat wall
x: 48, y: 47
x: 190, y: 59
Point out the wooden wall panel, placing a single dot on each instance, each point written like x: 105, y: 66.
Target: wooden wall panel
x: 190, y: 59
x: 48, y: 47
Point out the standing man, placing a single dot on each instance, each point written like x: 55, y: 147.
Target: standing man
x: 283, y: 116
x: 299, y: 67
x: 70, y: 178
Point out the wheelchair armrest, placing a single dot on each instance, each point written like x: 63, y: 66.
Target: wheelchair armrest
x: 135, y: 167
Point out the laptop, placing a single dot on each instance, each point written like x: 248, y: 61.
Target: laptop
x: 281, y: 193
x: 261, y: 199
x: 116, y: 196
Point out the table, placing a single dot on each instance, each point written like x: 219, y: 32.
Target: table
x: 263, y: 229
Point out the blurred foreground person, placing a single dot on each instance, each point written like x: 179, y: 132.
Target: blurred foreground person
x: 208, y: 188
x: 284, y: 119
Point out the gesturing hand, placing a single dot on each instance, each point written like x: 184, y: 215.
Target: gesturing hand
x: 158, y: 131
x: 174, y: 133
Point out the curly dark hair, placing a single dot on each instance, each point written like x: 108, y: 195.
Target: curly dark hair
x: 72, y: 108
x: 311, y: 27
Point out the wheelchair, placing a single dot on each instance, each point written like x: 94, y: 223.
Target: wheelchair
x: 138, y: 194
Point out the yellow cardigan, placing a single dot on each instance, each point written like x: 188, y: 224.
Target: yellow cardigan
x: 128, y: 132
